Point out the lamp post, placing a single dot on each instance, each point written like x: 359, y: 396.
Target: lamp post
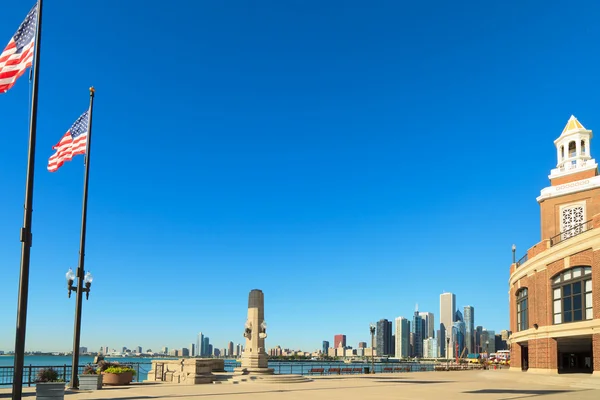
x: 514, y: 248
x: 372, y: 330
x: 79, y: 289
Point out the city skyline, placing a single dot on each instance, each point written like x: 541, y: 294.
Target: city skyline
x: 315, y: 151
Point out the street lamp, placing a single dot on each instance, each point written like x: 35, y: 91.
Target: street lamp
x: 514, y: 248
x: 87, y: 280
x: 79, y: 289
x: 372, y: 330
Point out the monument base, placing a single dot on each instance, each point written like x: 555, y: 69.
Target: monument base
x: 253, y: 371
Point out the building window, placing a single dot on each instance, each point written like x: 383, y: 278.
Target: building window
x: 572, y: 219
x: 572, y: 295
x: 572, y: 149
x: 522, y: 317
x: 583, y: 147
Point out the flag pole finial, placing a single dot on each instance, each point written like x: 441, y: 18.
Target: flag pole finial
x: 92, y: 90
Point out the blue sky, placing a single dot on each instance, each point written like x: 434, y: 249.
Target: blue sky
x: 350, y: 159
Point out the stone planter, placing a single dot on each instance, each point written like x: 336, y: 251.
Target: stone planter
x: 124, y: 378
x: 90, y: 382
x: 50, y: 390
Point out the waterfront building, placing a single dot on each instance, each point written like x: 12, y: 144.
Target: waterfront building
x: 458, y: 335
x: 207, y: 346
x: 362, y: 345
x: 339, y: 340
x: 430, y: 348
x: 417, y: 326
x: 230, y: 349
x: 469, y: 314
x: 383, y: 339
x: 478, y: 347
x: 192, y: 350
x: 447, y: 313
x: 555, y: 286
x: 428, y: 324
x: 325, y: 347
x: 402, y: 337
x: 488, y: 341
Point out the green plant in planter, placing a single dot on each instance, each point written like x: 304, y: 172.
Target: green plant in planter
x: 119, y: 370
x: 45, y: 375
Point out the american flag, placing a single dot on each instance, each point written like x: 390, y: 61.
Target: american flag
x: 18, y: 54
x: 72, y: 143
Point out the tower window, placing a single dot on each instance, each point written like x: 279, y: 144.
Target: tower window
x: 522, y: 314
x: 583, y: 147
x: 562, y: 152
x: 572, y: 149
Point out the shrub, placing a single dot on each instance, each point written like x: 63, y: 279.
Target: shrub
x: 47, y: 375
x: 89, y: 370
x: 119, y: 370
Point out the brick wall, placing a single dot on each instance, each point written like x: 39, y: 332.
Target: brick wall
x: 573, y: 177
x: 515, y: 356
x: 596, y: 287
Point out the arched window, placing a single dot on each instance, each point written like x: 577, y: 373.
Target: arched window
x: 522, y: 310
x: 583, y: 147
x: 572, y: 149
x: 572, y: 295
x: 562, y: 153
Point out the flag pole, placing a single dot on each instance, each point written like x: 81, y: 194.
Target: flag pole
x: 74, y: 384
x: 26, y: 229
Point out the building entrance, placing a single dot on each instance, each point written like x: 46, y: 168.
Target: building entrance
x: 524, y: 357
x: 575, y: 355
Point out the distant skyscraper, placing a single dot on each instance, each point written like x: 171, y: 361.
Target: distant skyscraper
x: 207, y: 347
x: 470, y: 328
x: 417, y: 330
x: 478, y: 346
x: 447, y: 314
x: 362, y: 345
x: 325, y: 347
x: 430, y: 348
x: 230, y: 349
x: 402, y: 337
x: 383, y: 338
x: 429, y: 322
x: 458, y: 335
x: 200, y: 344
x: 339, y: 339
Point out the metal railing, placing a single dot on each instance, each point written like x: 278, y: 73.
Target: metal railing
x: 569, y: 233
x: 522, y: 260
x: 64, y: 372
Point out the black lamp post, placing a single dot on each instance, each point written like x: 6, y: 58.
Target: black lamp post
x: 372, y: 330
x: 79, y: 289
x: 514, y: 248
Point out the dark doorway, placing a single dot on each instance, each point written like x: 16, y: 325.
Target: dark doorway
x: 524, y: 358
x: 575, y: 355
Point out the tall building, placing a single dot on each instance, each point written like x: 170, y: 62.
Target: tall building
x: 362, y: 345
x: 192, y: 349
x: 200, y: 344
x: 447, y: 313
x: 207, y: 347
x: 458, y: 335
x: 383, y: 339
x: 230, y: 349
x: 402, y: 337
x: 470, y: 328
x: 325, y: 347
x: 430, y: 348
x: 478, y: 347
x: 555, y: 286
x: 339, y: 340
x: 429, y: 325
x: 417, y: 330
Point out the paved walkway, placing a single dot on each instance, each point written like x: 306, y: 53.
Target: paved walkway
x: 410, y: 386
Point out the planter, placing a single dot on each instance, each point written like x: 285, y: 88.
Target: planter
x: 90, y: 382
x: 50, y: 390
x: 124, y: 378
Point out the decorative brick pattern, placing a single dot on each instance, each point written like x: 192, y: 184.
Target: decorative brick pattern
x: 590, y: 173
x: 582, y: 258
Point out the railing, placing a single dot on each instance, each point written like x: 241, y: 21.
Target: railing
x: 569, y: 233
x: 522, y: 260
x: 64, y: 372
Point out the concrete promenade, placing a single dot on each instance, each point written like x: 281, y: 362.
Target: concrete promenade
x: 416, y: 385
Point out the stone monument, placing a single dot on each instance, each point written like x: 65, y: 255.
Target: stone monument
x: 254, y: 357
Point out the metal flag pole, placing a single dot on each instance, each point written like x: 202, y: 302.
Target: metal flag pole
x: 26, y: 229
x: 80, y: 269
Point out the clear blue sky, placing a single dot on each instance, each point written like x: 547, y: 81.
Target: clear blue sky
x: 348, y: 158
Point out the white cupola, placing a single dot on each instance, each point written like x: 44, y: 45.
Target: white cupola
x: 573, y: 150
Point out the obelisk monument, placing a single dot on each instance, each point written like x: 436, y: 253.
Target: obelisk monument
x: 254, y: 357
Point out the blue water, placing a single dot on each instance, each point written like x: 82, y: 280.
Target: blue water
x: 63, y: 363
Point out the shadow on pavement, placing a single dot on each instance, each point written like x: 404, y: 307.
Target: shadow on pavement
x: 524, y: 392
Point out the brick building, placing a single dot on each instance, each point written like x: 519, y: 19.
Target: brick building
x: 555, y: 287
